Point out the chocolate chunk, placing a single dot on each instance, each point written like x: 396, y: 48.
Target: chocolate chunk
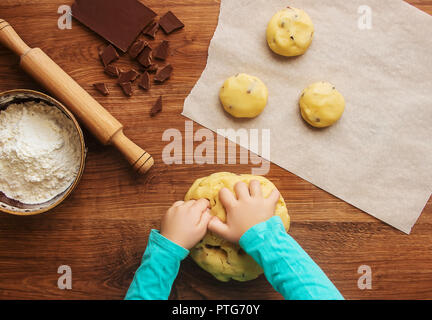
x: 153, y: 68
x: 108, y: 55
x: 119, y: 22
x: 102, y: 88
x: 136, y: 48
x: 163, y: 73
x: 161, y: 52
x: 127, y: 76
x: 145, y: 81
x: 170, y: 23
x: 145, y: 58
x: 112, y: 71
x: 127, y: 88
x: 157, y: 107
x: 151, y: 30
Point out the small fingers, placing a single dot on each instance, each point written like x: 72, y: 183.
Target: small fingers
x: 255, y: 189
x: 227, y: 198
x: 218, y: 227
x: 200, y: 205
x: 241, y: 190
x: 177, y: 203
x: 205, y: 219
x: 274, y: 196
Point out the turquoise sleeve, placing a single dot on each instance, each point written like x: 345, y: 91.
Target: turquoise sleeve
x: 286, y: 265
x: 159, y: 267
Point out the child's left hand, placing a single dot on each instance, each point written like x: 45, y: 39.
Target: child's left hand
x: 185, y: 223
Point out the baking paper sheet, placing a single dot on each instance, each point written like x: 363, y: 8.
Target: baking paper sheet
x: 379, y: 156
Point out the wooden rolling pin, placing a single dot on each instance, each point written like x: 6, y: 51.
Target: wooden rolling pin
x: 97, y: 119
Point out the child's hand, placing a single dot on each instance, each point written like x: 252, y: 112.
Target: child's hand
x: 245, y: 212
x: 185, y: 223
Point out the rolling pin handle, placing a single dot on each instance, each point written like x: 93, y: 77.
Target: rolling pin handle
x: 11, y: 40
x: 140, y: 160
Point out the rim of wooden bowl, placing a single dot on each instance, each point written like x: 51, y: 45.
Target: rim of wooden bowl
x: 63, y: 196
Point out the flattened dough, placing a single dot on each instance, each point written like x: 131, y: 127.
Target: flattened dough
x: 225, y: 260
x: 243, y: 96
x: 290, y: 32
x: 321, y: 105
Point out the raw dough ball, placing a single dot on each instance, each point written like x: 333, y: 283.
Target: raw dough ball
x: 321, y: 104
x: 243, y: 96
x: 290, y: 32
x: 225, y: 260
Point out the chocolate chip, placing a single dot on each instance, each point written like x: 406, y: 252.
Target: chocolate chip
x: 163, y: 73
x: 112, y: 71
x: 170, y: 23
x: 157, y: 107
x: 108, y: 55
x: 136, y: 48
x: 161, y: 52
x: 102, y: 88
x: 145, y: 81
x: 127, y: 76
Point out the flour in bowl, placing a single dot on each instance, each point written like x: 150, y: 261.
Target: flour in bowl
x: 40, y: 152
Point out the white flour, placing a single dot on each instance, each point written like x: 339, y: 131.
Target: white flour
x: 40, y: 152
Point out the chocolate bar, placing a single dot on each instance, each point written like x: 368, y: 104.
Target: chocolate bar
x: 127, y: 76
x: 145, y: 58
x: 163, y: 74
x: 170, y: 23
x: 136, y: 48
x: 151, y: 30
x: 157, y: 107
x: 145, y: 81
x: 112, y: 71
x: 108, y: 55
x: 127, y: 88
x: 119, y: 22
x: 161, y: 52
x: 102, y: 88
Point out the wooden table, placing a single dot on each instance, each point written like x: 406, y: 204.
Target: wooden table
x: 101, y: 230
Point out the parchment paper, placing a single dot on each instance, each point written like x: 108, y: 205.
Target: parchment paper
x: 379, y: 156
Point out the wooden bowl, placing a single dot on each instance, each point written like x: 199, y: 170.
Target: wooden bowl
x: 15, y: 207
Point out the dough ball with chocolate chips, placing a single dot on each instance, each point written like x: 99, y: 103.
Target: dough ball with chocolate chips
x: 290, y: 32
x: 223, y: 259
x: 243, y: 96
x: 321, y: 105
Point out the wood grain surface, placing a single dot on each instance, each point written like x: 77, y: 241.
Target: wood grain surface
x: 101, y: 230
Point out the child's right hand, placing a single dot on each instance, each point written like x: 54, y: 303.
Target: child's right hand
x: 249, y: 209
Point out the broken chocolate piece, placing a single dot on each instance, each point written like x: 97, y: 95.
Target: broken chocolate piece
x: 145, y: 58
x: 153, y: 68
x: 170, y: 23
x: 108, y: 55
x: 119, y: 22
x: 112, y: 71
x: 102, y: 88
x: 157, y: 107
x: 136, y: 48
x: 145, y: 81
x: 127, y: 88
x: 127, y: 76
x: 161, y: 52
x: 151, y: 30
x: 163, y: 73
